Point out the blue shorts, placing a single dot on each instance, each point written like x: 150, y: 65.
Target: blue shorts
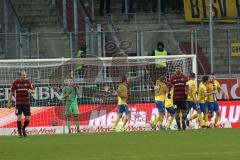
x: 171, y: 111
x: 203, y: 107
x: 191, y: 104
x: 216, y: 105
x: 160, y: 106
x: 123, y: 108
x: 213, y: 106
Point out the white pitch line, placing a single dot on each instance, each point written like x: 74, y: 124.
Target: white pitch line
x: 162, y: 155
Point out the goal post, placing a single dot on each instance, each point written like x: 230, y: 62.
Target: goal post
x: 97, y: 79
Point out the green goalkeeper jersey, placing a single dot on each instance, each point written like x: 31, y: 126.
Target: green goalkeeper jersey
x: 71, y: 100
x: 73, y: 93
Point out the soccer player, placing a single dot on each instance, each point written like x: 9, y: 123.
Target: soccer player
x: 192, y: 100
x: 214, y: 86
x: 170, y: 109
x: 70, y: 93
x: 21, y: 88
x: 202, y: 95
x: 160, y: 95
x: 179, y: 84
x: 122, y: 93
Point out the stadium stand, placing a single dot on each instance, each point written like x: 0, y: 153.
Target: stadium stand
x: 43, y: 33
x: 224, y: 34
x: 42, y: 17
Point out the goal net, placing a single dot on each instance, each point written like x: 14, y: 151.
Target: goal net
x: 97, y: 80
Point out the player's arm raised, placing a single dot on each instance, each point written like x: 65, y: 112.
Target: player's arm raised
x: 121, y: 94
x: 219, y: 89
x: 170, y: 85
x: 157, y: 85
x: 79, y: 92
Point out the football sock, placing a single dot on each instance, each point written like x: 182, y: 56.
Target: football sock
x: 206, y: 119
x: 180, y: 118
x: 161, y: 116
x: 116, y: 122
x: 194, y: 117
x: 216, y: 119
x: 125, y: 121
x: 200, y: 119
x: 178, y: 122
x: 69, y: 123
x: 77, y: 123
x: 156, y: 120
x: 26, y: 122
x: 170, y: 121
x: 19, y: 127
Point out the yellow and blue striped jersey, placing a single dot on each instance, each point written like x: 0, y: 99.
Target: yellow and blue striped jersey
x: 122, y: 92
x: 160, y: 91
x: 201, y: 93
x: 210, y: 86
x: 169, y: 101
x: 192, y: 89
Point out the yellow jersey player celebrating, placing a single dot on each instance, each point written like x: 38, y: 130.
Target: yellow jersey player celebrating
x: 192, y: 100
x: 160, y: 95
x: 202, y: 95
x: 123, y: 93
x: 170, y: 108
x: 214, y: 86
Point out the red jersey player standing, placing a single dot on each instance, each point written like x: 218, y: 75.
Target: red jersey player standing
x: 21, y: 88
x: 179, y: 84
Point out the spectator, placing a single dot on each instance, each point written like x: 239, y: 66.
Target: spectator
x: 160, y: 66
x: 81, y: 51
x: 160, y: 50
x: 104, y: 4
x: 80, y: 67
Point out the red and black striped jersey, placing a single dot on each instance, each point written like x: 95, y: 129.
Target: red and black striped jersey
x: 179, y: 85
x: 21, y: 87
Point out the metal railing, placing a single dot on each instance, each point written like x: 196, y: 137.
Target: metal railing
x: 132, y: 43
x: 223, y: 61
x: 10, y: 23
x: 99, y: 43
x: 134, y: 18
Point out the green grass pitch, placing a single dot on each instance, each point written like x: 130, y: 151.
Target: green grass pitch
x: 219, y: 144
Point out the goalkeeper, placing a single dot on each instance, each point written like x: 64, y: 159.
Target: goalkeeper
x: 70, y: 93
x: 123, y: 93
